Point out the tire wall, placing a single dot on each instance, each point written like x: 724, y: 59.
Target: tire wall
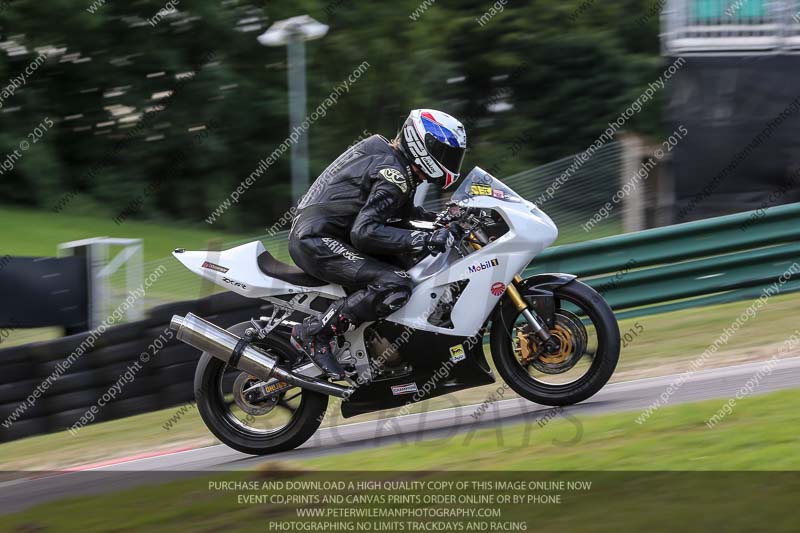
x: 130, y: 369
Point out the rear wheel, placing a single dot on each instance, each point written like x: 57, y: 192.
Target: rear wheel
x: 259, y: 427
x: 589, y: 335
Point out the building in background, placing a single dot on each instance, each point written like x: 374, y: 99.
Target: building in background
x: 739, y: 97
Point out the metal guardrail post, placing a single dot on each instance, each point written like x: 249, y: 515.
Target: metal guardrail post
x: 100, y: 269
x: 634, y: 203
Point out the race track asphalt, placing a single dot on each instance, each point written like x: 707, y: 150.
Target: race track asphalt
x: 457, y: 422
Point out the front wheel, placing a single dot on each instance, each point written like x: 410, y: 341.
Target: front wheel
x: 589, y: 335
x: 281, y: 423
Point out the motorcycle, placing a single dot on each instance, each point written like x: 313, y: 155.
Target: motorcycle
x: 552, y: 338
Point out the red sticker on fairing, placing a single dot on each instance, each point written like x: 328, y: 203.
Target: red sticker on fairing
x: 498, y: 288
x: 211, y: 266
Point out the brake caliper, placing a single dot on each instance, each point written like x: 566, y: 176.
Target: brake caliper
x: 571, y: 337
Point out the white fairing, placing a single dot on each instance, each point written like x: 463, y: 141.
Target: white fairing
x: 489, y: 270
x: 243, y: 275
x: 530, y: 232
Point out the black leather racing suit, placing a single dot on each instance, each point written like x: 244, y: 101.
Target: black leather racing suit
x: 344, y: 218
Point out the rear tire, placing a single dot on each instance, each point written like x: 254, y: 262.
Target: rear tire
x: 210, y: 403
x: 600, y: 371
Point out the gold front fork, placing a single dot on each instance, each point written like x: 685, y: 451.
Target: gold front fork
x: 515, y: 296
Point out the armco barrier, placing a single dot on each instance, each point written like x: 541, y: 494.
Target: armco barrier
x: 692, y: 264
x: 686, y: 265
x: 163, y: 381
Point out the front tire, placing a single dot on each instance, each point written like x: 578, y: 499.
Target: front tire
x: 213, y: 377
x: 605, y: 354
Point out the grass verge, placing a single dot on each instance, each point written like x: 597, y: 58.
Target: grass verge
x: 38, y: 233
x: 760, y: 434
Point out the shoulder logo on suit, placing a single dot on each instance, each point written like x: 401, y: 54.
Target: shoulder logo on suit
x: 392, y: 175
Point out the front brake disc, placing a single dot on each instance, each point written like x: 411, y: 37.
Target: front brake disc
x: 572, y: 335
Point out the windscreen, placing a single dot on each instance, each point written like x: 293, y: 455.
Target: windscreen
x: 480, y: 183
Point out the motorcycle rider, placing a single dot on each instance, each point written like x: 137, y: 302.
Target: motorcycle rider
x: 344, y: 219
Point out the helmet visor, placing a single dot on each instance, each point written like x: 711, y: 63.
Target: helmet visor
x: 450, y: 157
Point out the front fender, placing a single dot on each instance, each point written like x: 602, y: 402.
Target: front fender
x: 546, y: 282
x: 539, y: 288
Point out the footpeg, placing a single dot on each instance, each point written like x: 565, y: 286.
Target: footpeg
x: 320, y: 353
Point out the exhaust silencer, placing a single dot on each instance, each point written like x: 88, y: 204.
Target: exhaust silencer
x: 234, y: 351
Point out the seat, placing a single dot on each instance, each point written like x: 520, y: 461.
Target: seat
x: 288, y: 273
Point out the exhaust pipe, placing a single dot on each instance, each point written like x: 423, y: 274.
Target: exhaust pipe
x: 232, y: 349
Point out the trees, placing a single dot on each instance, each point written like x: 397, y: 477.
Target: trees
x: 532, y: 76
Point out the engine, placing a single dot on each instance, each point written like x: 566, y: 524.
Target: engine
x: 381, y: 352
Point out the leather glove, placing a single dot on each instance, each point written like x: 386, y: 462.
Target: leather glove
x: 440, y: 240
x: 420, y: 213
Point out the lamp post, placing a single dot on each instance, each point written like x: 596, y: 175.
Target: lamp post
x: 293, y: 33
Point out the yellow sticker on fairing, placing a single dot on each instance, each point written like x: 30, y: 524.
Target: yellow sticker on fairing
x: 480, y: 190
x: 457, y: 353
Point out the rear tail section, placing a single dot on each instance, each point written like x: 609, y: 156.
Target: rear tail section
x: 237, y: 270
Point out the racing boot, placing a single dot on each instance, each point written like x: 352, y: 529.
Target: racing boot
x: 317, y: 338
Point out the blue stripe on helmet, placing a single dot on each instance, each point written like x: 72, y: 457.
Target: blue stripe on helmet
x: 440, y: 132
